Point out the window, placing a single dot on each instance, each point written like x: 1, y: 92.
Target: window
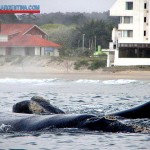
x: 128, y: 33
x: 145, y: 5
x: 144, y: 33
x: 128, y: 19
x: 144, y: 19
x: 121, y: 20
x: 129, y: 5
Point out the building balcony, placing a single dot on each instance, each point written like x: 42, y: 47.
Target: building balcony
x: 125, y: 26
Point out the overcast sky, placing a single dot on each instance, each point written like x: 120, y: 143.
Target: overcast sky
x: 48, y: 6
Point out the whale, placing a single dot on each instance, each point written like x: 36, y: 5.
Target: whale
x: 34, y: 122
x: 39, y: 105
x: 36, y: 105
x: 37, y: 114
x: 142, y: 111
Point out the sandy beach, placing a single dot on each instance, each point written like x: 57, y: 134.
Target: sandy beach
x: 44, y: 68
x: 46, y: 72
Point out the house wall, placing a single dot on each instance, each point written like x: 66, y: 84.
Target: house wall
x: 18, y: 51
x: 38, y: 32
x: 2, y: 51
x: 29, y: 51
x: 39, y: 51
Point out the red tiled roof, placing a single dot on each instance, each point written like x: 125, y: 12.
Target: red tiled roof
x: 28, y: 41
x: 22, y: 40
x: 8, y: 29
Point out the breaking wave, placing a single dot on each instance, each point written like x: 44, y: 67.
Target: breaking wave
x: 119, y: 81
x: 13, y: 80
x: 109, y: 82
x: 5, y: 128
x: 54, y: 80
x: 87, y: 81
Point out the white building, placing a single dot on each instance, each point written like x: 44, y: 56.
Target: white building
x: 130, y: 44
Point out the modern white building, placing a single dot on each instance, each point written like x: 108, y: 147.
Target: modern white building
x: 130, y: 44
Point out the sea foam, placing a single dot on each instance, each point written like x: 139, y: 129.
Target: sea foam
x: 119, y: 81
x: 23, y: 81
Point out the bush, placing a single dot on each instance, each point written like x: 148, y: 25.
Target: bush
x: 81, y: 63
x: 96, y: 64
x: 90, y: 63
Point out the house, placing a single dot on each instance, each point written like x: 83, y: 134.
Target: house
x: 130, y: 44
x: 25, y: 39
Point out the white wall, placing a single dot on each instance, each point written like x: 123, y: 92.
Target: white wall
x: 131, y: 61
x: 18, y: 51
x: 37, y: 51
x: 2, y: 51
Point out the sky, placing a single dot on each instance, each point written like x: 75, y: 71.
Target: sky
x: 48, y: 6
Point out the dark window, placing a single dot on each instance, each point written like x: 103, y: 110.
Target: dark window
x: 144, y: 19
x: 128, y: 19
x: 129, y: 5
x: 144, y: 33
x: 145, y: 5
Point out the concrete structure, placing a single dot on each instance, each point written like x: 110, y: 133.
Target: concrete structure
x: 25, y: 39
x: 131, y: 40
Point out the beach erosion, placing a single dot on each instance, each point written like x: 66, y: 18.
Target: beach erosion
x: 32, y: 67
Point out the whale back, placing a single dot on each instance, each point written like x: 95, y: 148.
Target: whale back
x: 37, y: 105
x: 142, y: 111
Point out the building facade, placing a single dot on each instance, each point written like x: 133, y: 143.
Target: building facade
x: 24, y: 40
x: 130, y: 44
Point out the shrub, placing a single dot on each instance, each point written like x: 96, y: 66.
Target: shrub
x: 96, y: 64
x: 81, y: 63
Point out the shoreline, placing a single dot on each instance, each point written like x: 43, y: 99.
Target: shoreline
x: 91, y: 75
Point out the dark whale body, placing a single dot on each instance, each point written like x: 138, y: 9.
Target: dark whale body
x: 142, y: 111
x: 55, y: 118
x: 27, y: 123
x: 37, y: 105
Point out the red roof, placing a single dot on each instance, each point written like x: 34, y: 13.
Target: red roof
x: 28, y: 41
x: 21, y: 39
x: 8, y: 29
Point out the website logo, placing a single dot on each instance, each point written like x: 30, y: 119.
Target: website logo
x: 11, y: 9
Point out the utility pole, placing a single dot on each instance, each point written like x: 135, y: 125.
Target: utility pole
x: 95, y: 43
x: 83, y: 35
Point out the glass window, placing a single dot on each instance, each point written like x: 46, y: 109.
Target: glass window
x: 129, y: 5
x: 128, y: 33
x: 121, y: 20
x: 128, y: 19
x: 144, y: 19
x: 144, y: 33
x: 145, y: 5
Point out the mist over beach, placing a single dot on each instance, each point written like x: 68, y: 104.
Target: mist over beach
x: 46, y: 67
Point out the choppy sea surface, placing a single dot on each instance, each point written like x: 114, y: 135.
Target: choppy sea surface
x: 76, y: 96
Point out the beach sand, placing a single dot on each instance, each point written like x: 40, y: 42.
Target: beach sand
x: 47, y: 72
x: 44, y: 68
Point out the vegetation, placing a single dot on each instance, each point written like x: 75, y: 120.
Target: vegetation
x: 92, y: 63
x: 79, y: 34
x: 71, y: 37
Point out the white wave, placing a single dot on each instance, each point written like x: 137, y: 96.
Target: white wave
x: 119, y: 81
x: 87, y: 81
x: 14, y: 80
x: 4, y: 127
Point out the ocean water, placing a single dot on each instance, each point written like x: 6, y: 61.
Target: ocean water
x: 97, y: 97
